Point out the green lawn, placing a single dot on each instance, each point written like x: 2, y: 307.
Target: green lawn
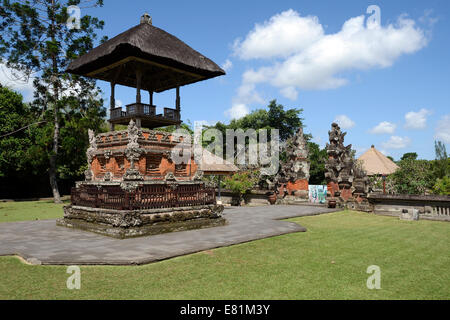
x: 329, y: 261
x: 30, y: 210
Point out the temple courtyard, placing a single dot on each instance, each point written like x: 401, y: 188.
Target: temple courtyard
x: 261, y: 253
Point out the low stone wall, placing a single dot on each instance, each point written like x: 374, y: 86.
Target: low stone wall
x: 135, y: 223
x: 429, y: 207
x: 253, y: 198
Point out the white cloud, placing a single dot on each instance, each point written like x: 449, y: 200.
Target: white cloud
x: 417, y: 120
x: 384, y: 127
x: 396, y: 142
x: 290, y: 93
x: 16, y: 81
x: 344, y: 122
x: 302, y: 56
x: 237, y: 111
x: 282, y: 35
x: 227, y: 65
x: 443, y: 129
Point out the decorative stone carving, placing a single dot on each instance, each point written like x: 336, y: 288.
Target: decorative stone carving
x: 129, y: 186
x: 170, y: 177
x: 292, y: 178
x: 133, y: 151
x: 107, y: 154
x: 339, y: 174
x: 346, y: 179
x: 132, y: 174
x: 90, y: 153
x: 107, y: 176
x: 198, y: 176
x: 88, y: 175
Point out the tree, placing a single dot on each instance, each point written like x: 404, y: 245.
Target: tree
x: 37, y: 43
x: 390, y: 158
x: 413, y: 177
x: 15, y: 139
x: 442, y: 163
x: 442, y: 186
x: 317, y: 157
x: 409, y: 155
x: 286, y: 121
x: 241, y: 183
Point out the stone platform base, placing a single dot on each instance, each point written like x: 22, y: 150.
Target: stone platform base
x: 123, y: 224
x: 292, y: 200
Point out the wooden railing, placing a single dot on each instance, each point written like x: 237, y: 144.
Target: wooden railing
x: 117, y: 113
x: 142, y: 109
x: 144, y: 197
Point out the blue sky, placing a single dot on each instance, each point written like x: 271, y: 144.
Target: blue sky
x: 388, y: 84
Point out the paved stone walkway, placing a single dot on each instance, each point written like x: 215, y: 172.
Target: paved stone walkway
x: 42, y: 242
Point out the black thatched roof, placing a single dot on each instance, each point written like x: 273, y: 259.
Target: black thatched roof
x: 166, y: 61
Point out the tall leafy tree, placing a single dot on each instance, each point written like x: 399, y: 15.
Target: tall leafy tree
x: 442, y: 163
x: 15, y: 137
x: 274, y: 117
x: 318, y: 158
x: 409, y: 155
x: 37, y: 42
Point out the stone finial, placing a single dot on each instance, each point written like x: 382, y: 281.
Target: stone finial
x: 145, y: 18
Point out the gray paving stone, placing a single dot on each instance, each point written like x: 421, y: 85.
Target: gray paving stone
x: 42, y: 242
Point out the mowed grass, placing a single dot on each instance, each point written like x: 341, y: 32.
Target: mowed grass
x: 329, y: 261
x: 30, y: 210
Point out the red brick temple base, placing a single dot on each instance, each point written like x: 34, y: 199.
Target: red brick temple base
x: 292, y: 192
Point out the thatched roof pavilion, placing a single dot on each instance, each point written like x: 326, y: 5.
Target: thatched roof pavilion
x: 146, y: 57
x: 376, y: 163
x: 213, y: 165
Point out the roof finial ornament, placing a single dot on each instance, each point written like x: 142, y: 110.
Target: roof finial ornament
x: 146, y: 18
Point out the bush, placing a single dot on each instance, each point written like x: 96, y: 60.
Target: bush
x: 241, y: 182
x: 442, y: 186
x: 413, y: 177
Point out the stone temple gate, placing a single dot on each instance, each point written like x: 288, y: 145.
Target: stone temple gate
x: 134, y: 186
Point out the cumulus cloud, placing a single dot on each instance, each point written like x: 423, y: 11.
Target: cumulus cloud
x: 442, y: 130
x: 227, y: 65
x: 237, y: 111
x: 383, y: 127
x: 16, y: 81
x: 417, y: 120
x: 282, y: 35
x: 301, y: 56
x: 396, y: 142
x: 344, y: 122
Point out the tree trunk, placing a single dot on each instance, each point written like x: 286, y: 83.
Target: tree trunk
x: 54, y: 155
x: 52, y: 171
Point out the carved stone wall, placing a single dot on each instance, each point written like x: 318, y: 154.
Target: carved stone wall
x: 347, y: 182
x: 292, y: 179
x: 134, y: 155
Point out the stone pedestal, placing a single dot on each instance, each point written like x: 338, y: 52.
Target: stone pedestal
x: 135, y: 223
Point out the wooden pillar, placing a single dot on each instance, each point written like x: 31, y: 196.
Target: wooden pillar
x: 151, y: 97
x: 112, y: 104
x: 138, y: 86
x: 113, y: 98
x: 138, y: 94
x: 177, y: 104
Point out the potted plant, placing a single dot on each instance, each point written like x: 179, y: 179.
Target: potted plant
x: 240, y: 183
x: 272, y: 197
